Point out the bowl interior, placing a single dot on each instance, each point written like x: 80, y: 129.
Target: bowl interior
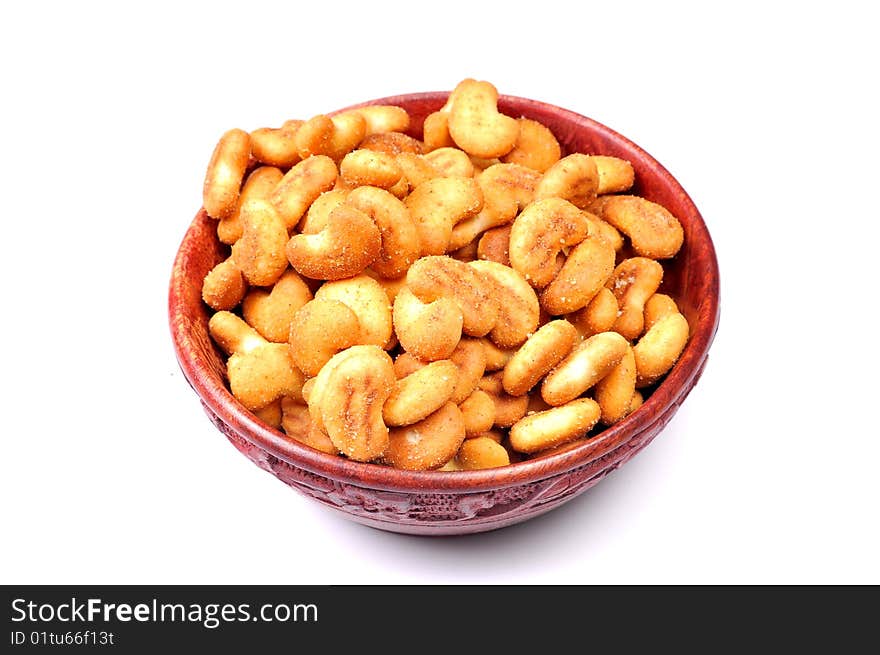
x: 691, y: 278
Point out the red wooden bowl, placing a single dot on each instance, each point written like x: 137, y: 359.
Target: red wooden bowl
x: 447, y: 503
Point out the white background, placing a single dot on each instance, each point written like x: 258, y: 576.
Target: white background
x: 767, y: 114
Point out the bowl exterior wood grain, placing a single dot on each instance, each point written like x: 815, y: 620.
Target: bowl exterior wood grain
x: 447, y: 503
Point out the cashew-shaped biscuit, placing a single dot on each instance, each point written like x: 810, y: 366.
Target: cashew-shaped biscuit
x: 428, y: 444
x: 551, y: 428
x: 369, y: 302
x: 333, y: 136
x: 598, y: 316
x: 430, y: 331
x: 400, y: 244
x: 351, y: 401
x: 320, y: 329
x: 270, y: 414
x: 574, y: 178
x: 659, y: 348
x: 506, y: 189
x: 589, y: 362
x: 476, y: 125
x: 371, y: 168
x: 259, y: 184
x: 259, y: 253
x: 435, y: 131
x: 478, y: 411
x: 435, y: 276
x: 481, y: 453
x: 297, y: 424
x: 346, y: 246
x: 259, y: 372
x: 233, y: 334
x: 380, y: 119
x: 658, y: 306
x: 614, y: 392
x: 634, y: 281
x: 513, y: 180
x: 301, y: 185
x: 499, y: 208
x: 224, y: 286
x: 615, y: 175
x: 276, y: 146
x: 270, y: 312
x: 519, y: 310
x: 470, y: 229
x: 470, y: 358
x: 313, y: 136
x: 652, y: 229
x: 587, y: 268
x: 437, y: 205
x: 535, y: 147
x: 420, y: 393
x: 508, y: 409
x: 539, y: 233
x: 538, y: 355
x: 225, y: 173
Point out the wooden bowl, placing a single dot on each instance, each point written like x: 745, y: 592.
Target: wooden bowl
x: 447, y: 503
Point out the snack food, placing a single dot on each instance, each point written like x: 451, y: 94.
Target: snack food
x: 462, y: 300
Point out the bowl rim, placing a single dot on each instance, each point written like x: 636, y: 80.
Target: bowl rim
x: 217, y: 399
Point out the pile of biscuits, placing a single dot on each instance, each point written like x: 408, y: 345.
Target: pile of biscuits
x: 461, y: 301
